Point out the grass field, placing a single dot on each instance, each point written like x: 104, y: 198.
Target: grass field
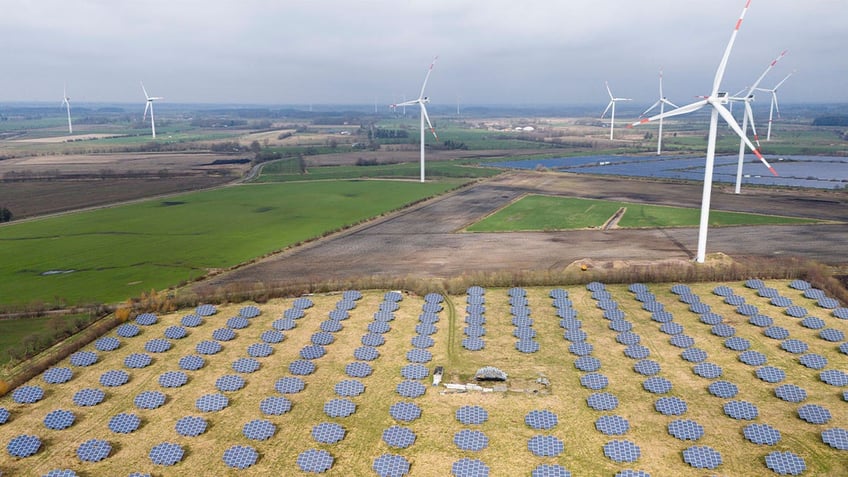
x: 536, y: 212
x: 110, y: 254
x: 433, y: 451
x: 288, y: 170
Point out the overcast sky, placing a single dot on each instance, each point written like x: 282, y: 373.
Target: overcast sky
x: 355, y: 52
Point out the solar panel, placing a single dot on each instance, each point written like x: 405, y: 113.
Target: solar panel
x: 814, y: 414
x: 284, y: 324
x: 27, y: 394
x: 790, y: 393
x: 622, y: 451
x: 620, y: 325
x: 734, y: 300
x: 421, y: 341
x: 570, y: 323
x: 93, y: 450
x: 694, y: 355
x: 425, y: 328
x: 522, y: 321
x: 398, y: 437
x: 206, y: 310
x: 670, y: 406
x: 229, y: 382
x: 191, y: 362
x: 175, y: 332
x: 781, y: 301
x: 59, y: 419
x: 836, y: 438
x: 245, y: 365
x: 702, y: 457
x: 211, y: 402
x: 637, y: 288
x: 776, y: 332
x: 405, y: 411
x: 595, y: 286
x: 841, y: 313
x: 682, y: 341
x: 304, y: 303
x: 813, y: 361
x: 384, y: 315
x: 646, y: 367
x: 796, y: 311
x: 767, y: 292
x: 657, y: 385
x: 379, y: 327
x: 157, y: 345
x: 191, y: 321
x: 671, y: 328
x: 417, y: 355
x: 637, y: 352
x: 594, y: 381
x: 431, y: 307
x: 349, y: 388
x: 527, y: 346
x: 723, y: 389
x: 601, y: 295
x: 737, y: 343
x: 240, y: 457
x: 645, y: 297
x: 475, y: 331
x: 752, y: 358
x: 89, y: 397
x: 328, y: 433
x: 238, y: 323
x: 259, y: 429
x: 834, y: 377
x: 57, y: 375
x: 661, y: 316
x: 61, y: 473
x: 430, y: 318
x: 166, y: 453
x: 580, y: 349
x: 414, y: 371
x: 114, y: 378
x: 653, y: 306
x: 272, y: 336
x: 575, y: 335
x: 707, y: 370
x: 686, y: 430
x: 223, y: 334
x: 602, y: 401
x: 785, y: 463
x: 545, y: 446
x: 608, y: 304
x: 366, y: 353
x: 762, y: 321
x: 289, y: 385
x: 338, y: 315
x: 587, y: 363
x: 567, y: 313
x: 832, y: 335
x: 358, y: 369
x: 149, y: 400
x: 388, y: 307
x: 690, y: 298
x: 699, y: 308
x: 843, y: 348
x: 799, y: 284
x: 173, y: 379
x: 632, y: 473
x: 397, y: 296
x: 390, y: 465
x: 191, y: 426
x: 612, y: 425
x: 83, y: 358
x: 562, y: 302
x: 762, y: 434
x: 146, y: 319
x: 411, y: 389
x: 471, y: 440
x: 722, y: 291
x: 124, y: 423
x: 794, y: 346
x: 814, y: 293
x: 628, y: 338
x: 249, y: 311
x: 742, y: 410
x: 754, y: 283
x: 519, y: 311
x: 723, y: 330
x: 541, y: 419
x: 680, y: 289
x: 107, y: 343
x: 331, y: 326
x: 301, y: 367
x: 127, y: 330
x: 339, y: 407
x: 275, y: 406
x: 23, y: 446
x: 4, y: 415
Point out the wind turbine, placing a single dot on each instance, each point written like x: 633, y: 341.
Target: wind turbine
x: 611, y: 104
x: 717, y: 100
x: 421, y: 101
x: 661, y: 103
x: 748, y: 114
x: 66, y: 101
x: 774, y: 105
x: 149, y: 106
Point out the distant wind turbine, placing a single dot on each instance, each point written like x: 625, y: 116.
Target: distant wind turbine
x: 774, y: 104
x: 66, y: 101
x: 611, y: 104
x: 717, y: 100
x: 149, y: 106
x: 661, y: 103
x: 421, y: 101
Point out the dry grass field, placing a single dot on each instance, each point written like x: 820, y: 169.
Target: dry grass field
x: 433, y: 452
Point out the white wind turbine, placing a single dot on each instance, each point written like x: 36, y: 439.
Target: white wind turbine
x: 748, y: 114
x: 611, y: 104
x: 661, y: 103
x: 149, y: 106
x: 66, y: 101
x: 421, y: 101
x: 717, y: 100
x: 774, y: 105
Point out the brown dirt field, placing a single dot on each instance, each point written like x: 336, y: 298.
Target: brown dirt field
x: 425, y: 241
x: 410, y: 153
x: 119, y: 163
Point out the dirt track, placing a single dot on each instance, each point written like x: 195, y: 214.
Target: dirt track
x: 426, y: 241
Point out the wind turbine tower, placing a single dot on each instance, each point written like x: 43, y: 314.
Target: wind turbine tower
x: 774, y: 104
x: 421, y: 101
x: 149, y: 106
x: 66, y: 101
x: 611, y: 104
x: 661, y: 103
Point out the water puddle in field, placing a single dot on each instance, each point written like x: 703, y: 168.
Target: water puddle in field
x: 57, y: 272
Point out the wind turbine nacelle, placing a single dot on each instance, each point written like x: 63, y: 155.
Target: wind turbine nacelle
x: 425, y: 99
x: 722, y: 97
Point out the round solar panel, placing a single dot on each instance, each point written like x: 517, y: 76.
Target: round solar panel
x: 813, y: 361
x: 191, y: 426
x: 312, y: 352
x: 238, y: 323
x: 690, y: 299
x: 331, y: 326
x: 762, y: 321
x: 83, y: 358
x: 23, y: 446
x: 620, y: 325
x: 339, y: 407
x: 107, y: 343
x: 383, y: 315
x: 527, y: 346
x: 761, y: 434
x: 628, y: 338
x: 734, y: 300
x: 595, y: 286
x: 657, y: 385
x: 89, y: 397
x: 541, y: 419
x: 832, y: 335
x: 594, y: 381
x: 843, y: 348
x: 723, y: 330
x: 431, y: 307
x: 587, y: 363
x: 637, y: 352
x: 358, y: 369
x: 338, y: 315
x: 206, y: 310
x: 575, y: 335
x: 411, y: 389
x: 471, y: 440
x: 398, y: 437
x: 421, y: 341
x: 796, y: 311
x: 57, y: 375
x: 390, y: 465
x: 470, y: 415
x: 785, y: 463
x: 602, y: 401
x: 259, y: 430
x: 741, y: 410
x: 275, y: 406
x: 475, y: 331
x: 173, y: 379
x: 653, y: 306
x: 27, y: 394
x: 767, y: 292
x: 694, y: 355
x: 208, y: 347
x: 722, y: 291
x: 157, y: 345
x: 702, y: 457
x: 223, y: 334
x: 723, y: 389
x: 799, y: 284
x: 124, y: 423
x: 645, y: 297
x: 836, y: 438
x: 175, y: 332
x: 366, y: 353
x: 212, y: 402
x: 230, y: 382
x: 566, y: 313
x: 737, y: 344
x: 284, y: 324
x: 349, y: 388
x: 4, y: 415
x: 240, y: 457
x: 522, y: 321
x: 59, y: 419
x: 622, y: 451
x: 191, y: 321
x: 61, y: 473
x: 114, y: 378
x: 612, y: 425
x: 841, y: 313
x: 272, y: 336
x: 304, y: 303
x: 149, y: 400
x: 425, y: 328
x: 127, y: 330
x: 315, y: 460
x: 686, y: 430
x: 302, y: 367
x: 834, y: 377
x: 794, y: 346
x: 397, y: 296
x: 570, y: 323
x: 328, y: 433
x: 245, y: 365
x: 646, y: 367
x: 93, y: 450
x: 776, y: 332
x: 379, y: 327
x: 289, y: 385
x: 405, y: 411
x: 632, y: 473
x: 747, y: 309
x: 414, y: 371
x: 670, y: 406
x: 191, y: 362
x: 699, y: 308
x: 814, y: 293
x: 417, y: 355
x: 545, y: 446
x: 637, y: 288
x: 781, y: 301
x: 249, y: 311
x: 166, y: 453
x: 790, y: 393
x: 146, y: 319
x: 813, y: 323
x: 752, y: 358
x: 680, y: 289
x: 260, y: 350
x: 580, y: 349
x: 707, y: 370
x: 682, y: 341
x: 608, y: 304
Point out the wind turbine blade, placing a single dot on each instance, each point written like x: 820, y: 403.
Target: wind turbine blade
x: 661, y: 91
x: 669, y: 103
x: 429, y: 70
x: 733, y: 125
x: 146, y: 107
x: 651, y: 108
x: 606, y: 83
x: 776, y: 106
x: 768, y: 68
x: 427, y: 117
x: 407, y: 103
x: 145, y: 91
x: 723, y: 64
x: 674, y: 112
x: 608, y: 107
x: 750, y: 113
x: 782, y: 81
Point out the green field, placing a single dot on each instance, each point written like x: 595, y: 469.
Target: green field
x: 538, y: 212
x: 111, y: 254
x: 287, y: 170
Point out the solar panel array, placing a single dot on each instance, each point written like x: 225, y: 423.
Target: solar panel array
x: 276, y: 406
x: 59, y: 419
x: 124, y: 423
x: 686, y: 429
x: 470, y: 440
x: 315, y: 460
x: 702, y: 457
x: 545, y: 445
x: 191, y: 426
x: 785, y: 463
x: 166, y: 453
x: 259, y: 430
x: 814, y: 414
x: 622, y: 451
x: 240, y: 457
x: 93, y: 450
x: 761, y: 434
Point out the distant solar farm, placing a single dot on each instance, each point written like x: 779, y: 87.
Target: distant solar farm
x: 626, y: 380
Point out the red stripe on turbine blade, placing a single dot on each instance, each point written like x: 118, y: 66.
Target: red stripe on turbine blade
x: 643, y: 121
x: 773, y: 172
x: 738, y: 23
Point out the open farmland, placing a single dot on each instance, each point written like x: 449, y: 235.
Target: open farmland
x: 673, y: 343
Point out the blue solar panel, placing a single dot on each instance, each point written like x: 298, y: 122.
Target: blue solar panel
x: 211, y: 402
x: 331, y: 326
x: 790, y: 393
x: 796, y: 311
x: 114, y: 378
x: 302, y: 367
x: 814, y: 293
x: 832, y: 335
x: 734, y: 300
x: 127, y: 330
x: 580, y: 349
x: 680, y: 289
x: 843, y: 348
x: 762, y: 321
x: 315, y: 460
x: 206, y: 310
x: 527, y: 346
x: 637, y: 288
x: 349, y: 388
x: 545, y: 446
x: 694, y: 355
x: 57, y: 375
x: 425, y: 329
x: 632, y: 473
x: 471, y: 440
x: 208, y: 347
x: 396, y: 296
x: 628, y: 338
x: 339, y: 407
x: 653, y: 306
x: 834, y: 377
x: 146, y: 319
x: 328, y: 433
x: 411, y: 389
x: 289, y: 385
x: 417, y: 355
x: 723, y: 330
x: 646, y: 367
x: 473, y: 344
x: 431, y: 307
x: 312, y: 352
x: 661, y: 316
x: 813, y: 361
x: 384, y: 315
x: 83, y: 358
x: 707, y: 370
x: 737, y: 344
x: 747, y: 309
x: 470, y: 415
x: 191, y: 426
x: 405, y: 411
x: 421, y: 341
x: 89, y: 397
x: 238, y: 323
x: 338, y: 315
x: 191, y: 362
x: 59, y: 419
x: 379, y: 327
x: 366, y: 353
x: 781, y: 301
x: 259, y: 429
x: 124, y: 423
x: 223, y: 334
x: 620, y: 325
x: 27, y: 394
x: 752, y: 358
x: 587, y: 363
x: 608, y: 304
x: 645, y: 297
x: 710, y: 318
x: 671, y: 328
x: 284, y: 324
x: 785, y: 463
x: 398, y: 437
x: 390, y: 465
x: 191, y: 321
x: 575, y: 335
x: 622, y: 451
x: 836, y: 438
x: 670, y: 406
x: 595, y: 286
x: 594, y: 381
x: 61, y: 473
x: 541, y: 419
x: 157, y: 345
x: 723, y: 389
x: 4, y: 415
x: 602, y: 401
x: 230, y: 382
x: 414, y: 371
x: 682, y: 341
x: 841, y: 313
x: 741, y: 410
x: 776, y: 332
x: 702, y: 457
x: 767, y: 292
x: 149, y: 400
x: 814, y: 414
x: 304, y: 303
x: 23, y: 446
x: 240, y: 457
x: 173, y: 379
x: 520, y: 321
x: 723, y: 291
x: 799, y: 284
x: 260, y: 350
x: 275, y: 406
x: 93, y: 450
x: 637, y: 352
x: 612, y: 425
x: 166, y: 453
x: 813, y: 323
x: 107, y: 343
x: 686, y: 430
x: 761, y: 434
x: 657, y: 385
x: 794, y: 346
